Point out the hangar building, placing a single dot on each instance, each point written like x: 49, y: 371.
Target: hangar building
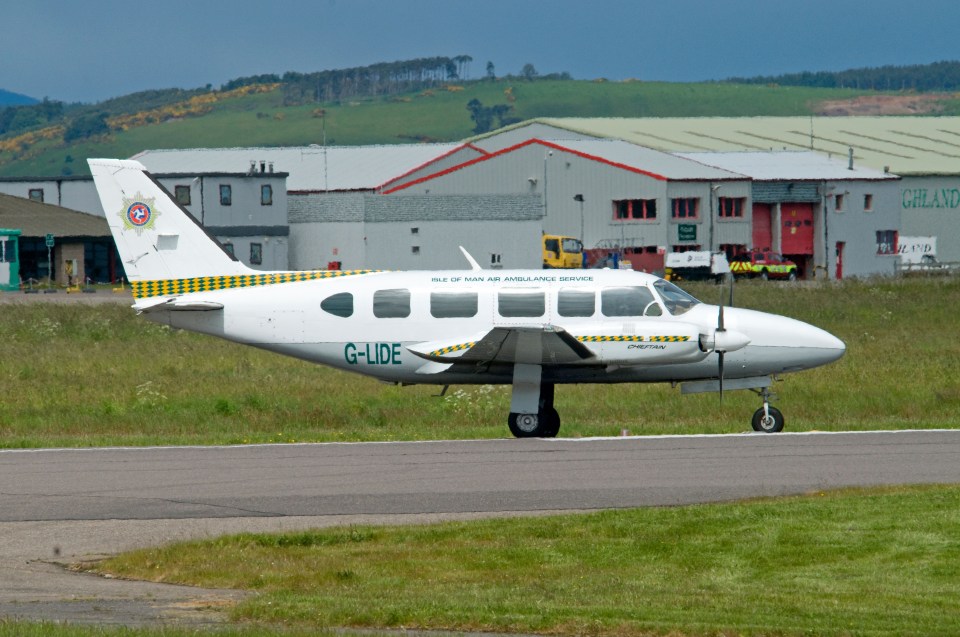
x: 923, y: 151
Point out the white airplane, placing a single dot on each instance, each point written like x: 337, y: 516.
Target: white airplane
x: 532, y: 329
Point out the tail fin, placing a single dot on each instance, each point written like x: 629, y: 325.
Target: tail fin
x: 156, y: 238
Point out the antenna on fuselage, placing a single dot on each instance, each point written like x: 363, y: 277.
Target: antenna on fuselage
x: 473, y: 262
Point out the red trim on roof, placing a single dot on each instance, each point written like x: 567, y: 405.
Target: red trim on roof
x: 449, y: 153
x: 524, y: 144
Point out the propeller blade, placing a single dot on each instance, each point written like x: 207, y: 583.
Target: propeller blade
x: 730, y: 302
x: 720, y: 356
x: 720, y: 327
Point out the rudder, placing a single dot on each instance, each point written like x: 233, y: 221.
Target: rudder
x: 157, y: 239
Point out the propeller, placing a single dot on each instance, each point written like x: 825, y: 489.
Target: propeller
x: 721, y: 330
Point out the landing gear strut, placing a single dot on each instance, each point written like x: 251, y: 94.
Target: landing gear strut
x: 767, y: 419
x: 531, y: 407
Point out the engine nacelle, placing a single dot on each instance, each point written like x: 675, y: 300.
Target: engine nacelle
x: 643, y: 343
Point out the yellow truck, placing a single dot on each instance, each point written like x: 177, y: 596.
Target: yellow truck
x: 562, y: 252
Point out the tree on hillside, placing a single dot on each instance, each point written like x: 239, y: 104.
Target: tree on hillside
x: 529, y: 72
x: 86, y: 126
x: 484, y: 116
x: 491, y: 72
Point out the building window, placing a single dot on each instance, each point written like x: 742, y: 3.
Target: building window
x: 36, y: 194
x: 182, y: 195
x: 226, y: 195
x: 686, y: 208
x: 453, y: 304
x: 256, y: 254
x: 887, y: 241
x: 391, y: 303
x: 733, y: 250
x: 685, y: 248
x: 627, y: 209
x: 838, y: 203
x: 495, y: 260
x: 415, y: 249
x: 868, y: 203
x: 228, y: 248
x: 266, y: 195
x: 732, y: 207
x: 414, y: 230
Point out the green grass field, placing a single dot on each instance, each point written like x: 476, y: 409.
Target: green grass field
x: 75, y: 375
x: 437, y: 115
x: 875, y: 562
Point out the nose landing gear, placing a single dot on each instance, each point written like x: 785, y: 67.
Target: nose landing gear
x: 767, y: 419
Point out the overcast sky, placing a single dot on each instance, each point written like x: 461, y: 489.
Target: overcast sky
x: 96, y: 49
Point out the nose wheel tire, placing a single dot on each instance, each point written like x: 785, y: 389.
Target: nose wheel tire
x: 769, y: 422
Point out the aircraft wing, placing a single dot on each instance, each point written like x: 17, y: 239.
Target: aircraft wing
x: 546, y: 345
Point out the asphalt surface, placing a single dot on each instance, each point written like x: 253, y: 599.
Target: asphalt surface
x: 63, y: 506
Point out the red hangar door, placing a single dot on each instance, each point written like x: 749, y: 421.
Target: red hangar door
x: 762, y: 237
x: 796, y: 235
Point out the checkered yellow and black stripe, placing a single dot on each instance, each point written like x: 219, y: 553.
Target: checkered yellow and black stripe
x: 633, y: 339
x: 174, y: 287
x: 452, y: 348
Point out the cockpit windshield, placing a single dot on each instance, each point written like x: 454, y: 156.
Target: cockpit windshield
x: 674, y: 299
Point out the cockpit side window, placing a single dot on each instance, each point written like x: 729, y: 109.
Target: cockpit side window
x: 338, y: 304
x: 676, y: 300
x: 628, y: 301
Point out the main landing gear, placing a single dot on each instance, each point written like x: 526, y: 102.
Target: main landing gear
x: 531, y: 406
x: 767, y: 419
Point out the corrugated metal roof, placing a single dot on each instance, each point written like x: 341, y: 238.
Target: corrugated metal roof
x: 907, y: 145
x: 37, y: 219
x: 667, y: 165
x: 309, y: 167
x: 786, y: 166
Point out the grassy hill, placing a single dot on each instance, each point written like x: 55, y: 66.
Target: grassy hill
x: 257, y: 116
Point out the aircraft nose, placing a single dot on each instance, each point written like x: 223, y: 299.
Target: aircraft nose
x: 807, y: 346
x: 787, y: 344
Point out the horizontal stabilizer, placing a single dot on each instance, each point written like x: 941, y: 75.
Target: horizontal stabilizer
x: 177, y: 305
x: 432, y: 367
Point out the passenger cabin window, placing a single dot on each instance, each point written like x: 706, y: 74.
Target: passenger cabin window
x: 521, y: 303
x: 628, y: 301
x: 576, y: 302
x: 391, y: 303
x: 453, y: 304
x: 338, y: 304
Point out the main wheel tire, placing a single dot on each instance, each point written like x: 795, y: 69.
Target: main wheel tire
x: 551, y: 426
x: 792, y: 276
x: 546, y: 424
x: 524, y: 425
x: 771, y: 424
